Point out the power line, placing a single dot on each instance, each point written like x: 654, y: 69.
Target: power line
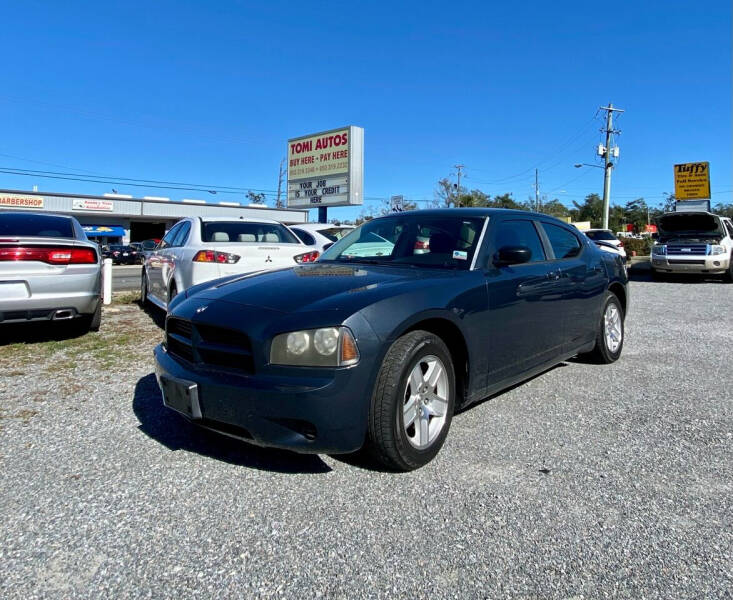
x: 152, y: 183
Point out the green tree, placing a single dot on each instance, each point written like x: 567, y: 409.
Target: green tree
x: 474, y: 198
x: 637, y: 212
x: 255, y: 198
x: 591, y: 209
x: 555, y: 208
x: 724, y: 210
x: 446, y: 193
x: 506, y: 201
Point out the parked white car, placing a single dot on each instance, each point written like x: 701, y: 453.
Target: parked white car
x: 609, y: 239
x: 196, y: 250
x: 319, y: 235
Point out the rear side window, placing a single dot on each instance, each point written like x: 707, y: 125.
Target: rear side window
x: 241, y: 231
x: 35, y: 226
x: 334, y: 233
x: 305, y: 237
x: 729, y: 227
x: 601, y: 235
x: 520, y: 233
x: 564, y: 243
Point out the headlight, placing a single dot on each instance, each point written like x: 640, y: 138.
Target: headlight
x: 324, y: 347
x: 659, y: 249
x: 717, y: 250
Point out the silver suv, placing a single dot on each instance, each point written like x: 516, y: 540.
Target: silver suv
x: 196, y: 250
x: 693, y: 242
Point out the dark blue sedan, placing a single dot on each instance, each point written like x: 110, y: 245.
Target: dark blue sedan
x: 401, y: 322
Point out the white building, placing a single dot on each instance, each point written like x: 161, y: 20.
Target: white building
x: 116, y: 218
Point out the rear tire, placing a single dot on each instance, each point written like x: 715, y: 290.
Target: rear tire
x: 610, y: 334
x: 412, y: 403
x: 92, y: 322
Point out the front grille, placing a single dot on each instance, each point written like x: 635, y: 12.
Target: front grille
x: 209, y: 345
x: 687, y: 249
x: 672, y: 261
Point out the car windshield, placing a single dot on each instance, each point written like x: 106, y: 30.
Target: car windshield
x: 335, y: 233
x: 241, y: 231
x: 427, y: 241
x: 36, y: 226
x: 601, y: 235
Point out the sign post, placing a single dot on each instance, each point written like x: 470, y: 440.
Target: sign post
x: 326, y: 169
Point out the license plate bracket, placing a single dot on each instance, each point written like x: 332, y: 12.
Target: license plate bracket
x: 181, y: 395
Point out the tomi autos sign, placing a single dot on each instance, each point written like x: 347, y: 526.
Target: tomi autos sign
x: 692, y: 181
x: 326, y: 169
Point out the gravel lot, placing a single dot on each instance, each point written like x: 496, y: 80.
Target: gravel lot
x: 586, y: 482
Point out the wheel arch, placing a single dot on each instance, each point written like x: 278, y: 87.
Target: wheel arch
x: 454, y: 339
x: 619, y: 291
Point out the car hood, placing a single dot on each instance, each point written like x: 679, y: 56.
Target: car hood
x: 321, y: 286
x: 688, y: 223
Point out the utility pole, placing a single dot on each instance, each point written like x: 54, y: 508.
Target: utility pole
x: 458, y: 189
x: 609, y: 152
x: 278, y: 202
x: 537, y: 190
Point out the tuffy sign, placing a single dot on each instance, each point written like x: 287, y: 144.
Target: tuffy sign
x: 326, y: 169
x: 692, y: 181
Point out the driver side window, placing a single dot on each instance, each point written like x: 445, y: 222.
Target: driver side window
x: 167, y: 240
x: 520, y: 233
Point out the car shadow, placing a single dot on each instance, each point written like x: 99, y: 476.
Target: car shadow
x: 155, y: 314
x: 176, y: 433
x: 39, y: 331
x: 470, y: 407
x: 642, y: 272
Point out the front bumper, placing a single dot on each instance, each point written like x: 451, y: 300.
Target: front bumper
x: 300, y: 412
x: 715, y: 264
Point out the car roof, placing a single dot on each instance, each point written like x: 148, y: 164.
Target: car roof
x: 319, y: 226
x: 476, y: 212
x: 237, y: 220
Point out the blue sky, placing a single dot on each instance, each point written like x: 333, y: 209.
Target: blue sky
x: 210, y: 92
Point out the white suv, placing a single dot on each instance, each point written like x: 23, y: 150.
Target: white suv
x: 196, y: 250
x: 693, y: 242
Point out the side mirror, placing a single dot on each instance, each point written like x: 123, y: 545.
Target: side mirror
x: 512, y: 255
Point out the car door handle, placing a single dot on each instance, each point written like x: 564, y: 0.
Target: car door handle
x: 554, y: 275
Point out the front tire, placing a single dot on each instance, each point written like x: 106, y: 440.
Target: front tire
x: 144, y: 290
x: 610, y: 335
x: 412, y: 403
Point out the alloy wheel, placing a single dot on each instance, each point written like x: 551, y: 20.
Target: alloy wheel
x: 612, y: 327
x: 425, y: 403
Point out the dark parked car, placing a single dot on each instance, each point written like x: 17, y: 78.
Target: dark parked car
x: 123, y: 255
x: 400, y: 323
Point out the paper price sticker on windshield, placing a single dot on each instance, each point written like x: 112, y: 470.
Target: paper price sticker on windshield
x: 460, y: 255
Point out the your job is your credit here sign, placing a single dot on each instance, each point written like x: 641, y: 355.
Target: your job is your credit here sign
x: 326, y: 169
